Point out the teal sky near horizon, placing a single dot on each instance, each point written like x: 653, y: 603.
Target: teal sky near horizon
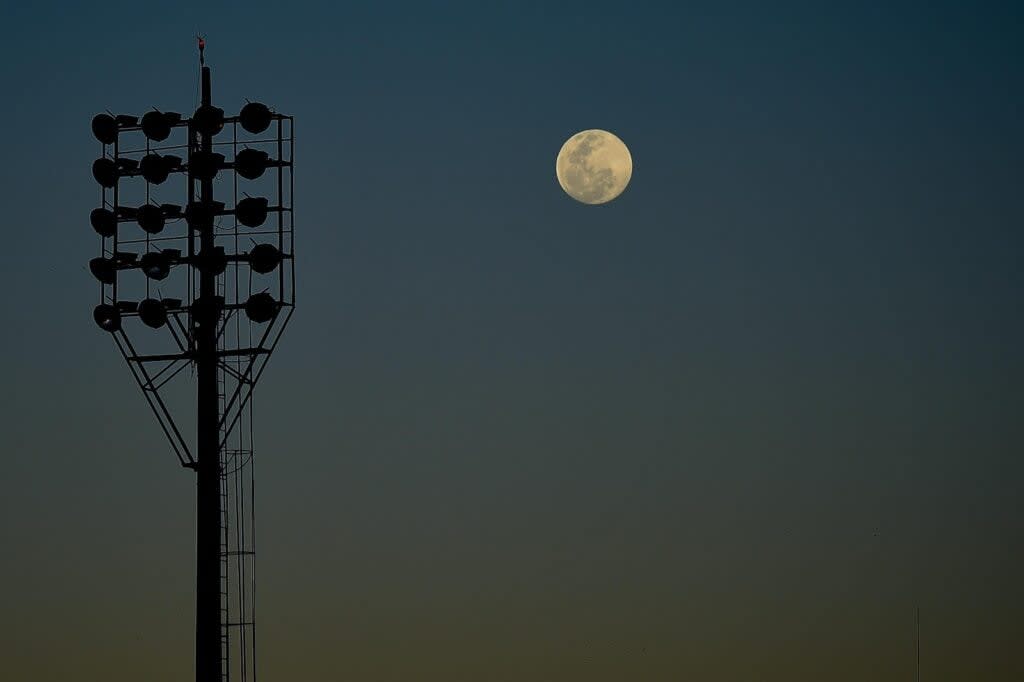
x: 736, y: 424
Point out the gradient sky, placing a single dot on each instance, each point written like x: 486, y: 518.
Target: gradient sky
x: 734, y: 425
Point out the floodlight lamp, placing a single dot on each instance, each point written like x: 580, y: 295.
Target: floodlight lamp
x: 251, y: 211
x: 107, y: 171
x: 214, y: 262
x: 107, y: 317
x: 264, y: 258
x: 261, y: 307
x: 156, y: 125
x: 103, y: 269
x: 156, y: 168
x: 207, y: 310
x: 155, y: 265
x: 104, y: 222
x: 200, y: 214
x: 171, y: 210
x: 150, y: 218
x: 204, y: 165
x: 152, y: 313
x: 104, y: 128
x: 255, y: 117
x: 251, y: 163
x: 208, y: 120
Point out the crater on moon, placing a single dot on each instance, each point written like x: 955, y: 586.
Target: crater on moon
x: 594, y: 166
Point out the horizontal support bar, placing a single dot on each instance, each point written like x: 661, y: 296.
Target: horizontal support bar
x: 190, y: 355
x: 243, y: 351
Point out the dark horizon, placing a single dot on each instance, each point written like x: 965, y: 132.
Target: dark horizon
x: 740, y: 422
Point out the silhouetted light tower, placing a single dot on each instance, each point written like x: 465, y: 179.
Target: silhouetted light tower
x: 229, y: 272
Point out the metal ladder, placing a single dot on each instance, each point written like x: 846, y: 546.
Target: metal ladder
x: 225, y: 592
x: 233, y: 550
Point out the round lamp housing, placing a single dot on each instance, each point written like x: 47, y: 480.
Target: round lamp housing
x: 208, y: 120
x: 152, y: 313
x: 214, y: 262
x: 103, y: 269
x: 200, y: 214
x: 107, y: 317
x: 104, y: 128
x: 155, y: 265
x: 156, y: 168
x: 255, y: 117
x: 156, y: 125
x: 105, y: 172
x: 261, y: 307
x: 251, y: 163
x: 251, y: 211
x: 204, y: 165
x: 264, y: 258
x: 207, y: 311
x: 150, y: 218
x: 103, y: 221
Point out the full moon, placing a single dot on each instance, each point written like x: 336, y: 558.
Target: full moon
x: 594, y: 166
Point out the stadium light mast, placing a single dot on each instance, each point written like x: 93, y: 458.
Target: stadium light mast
x: 231, y: 307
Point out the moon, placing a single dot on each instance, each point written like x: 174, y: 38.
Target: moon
x: 594, y: 166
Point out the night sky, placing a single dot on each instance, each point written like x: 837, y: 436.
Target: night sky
x: 734, y: 425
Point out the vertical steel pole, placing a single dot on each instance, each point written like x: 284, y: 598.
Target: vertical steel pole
x: 208, y: 517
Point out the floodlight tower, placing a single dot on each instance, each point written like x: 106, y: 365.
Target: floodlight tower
x: 230, y: 309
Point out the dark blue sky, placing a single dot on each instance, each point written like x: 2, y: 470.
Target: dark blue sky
x: 734, y: 424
